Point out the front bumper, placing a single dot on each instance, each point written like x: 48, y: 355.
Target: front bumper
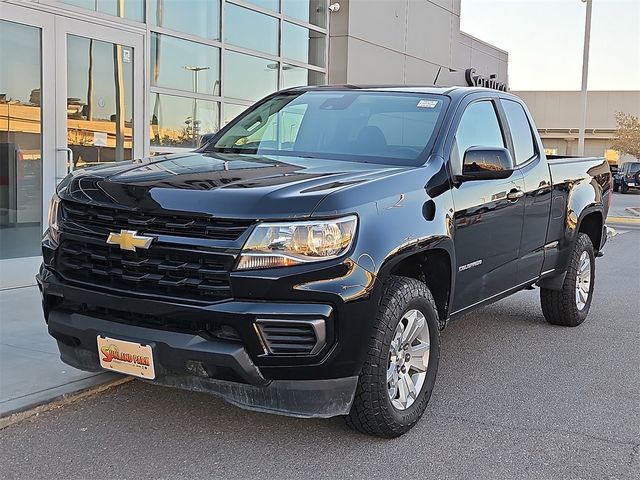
x: 237, y: 370
x: 191, y: 362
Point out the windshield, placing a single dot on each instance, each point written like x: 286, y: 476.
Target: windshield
x: 634, y: 167
x: 379, y: 127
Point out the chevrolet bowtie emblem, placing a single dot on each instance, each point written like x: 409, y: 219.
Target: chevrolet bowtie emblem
x: 129, y: 240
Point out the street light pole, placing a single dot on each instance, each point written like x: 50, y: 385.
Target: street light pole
x: 194, y: 121
x: 585, y: 74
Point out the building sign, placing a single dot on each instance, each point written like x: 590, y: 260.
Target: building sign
x: 474, y: 79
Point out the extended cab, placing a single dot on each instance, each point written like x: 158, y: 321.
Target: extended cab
x: 305, y: 259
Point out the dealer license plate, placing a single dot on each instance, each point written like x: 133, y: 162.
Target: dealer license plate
x: 126, y: 357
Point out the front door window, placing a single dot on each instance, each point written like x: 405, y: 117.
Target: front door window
x: 478, y: 127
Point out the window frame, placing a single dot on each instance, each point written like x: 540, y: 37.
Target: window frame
x: 420, y: 160
x: 228, y: 7
x: 512, y: 148
x: 500, y: 117
x: 155, y: 88
x: 178, y: 94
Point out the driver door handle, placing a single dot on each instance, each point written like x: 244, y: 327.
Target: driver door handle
x: 515, y: 194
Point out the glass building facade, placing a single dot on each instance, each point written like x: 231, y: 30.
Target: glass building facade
x: 93, y: 81
x: 210, y: 59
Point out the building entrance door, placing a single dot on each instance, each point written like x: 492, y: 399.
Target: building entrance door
x: 71, y: 96
x: 98, y: 119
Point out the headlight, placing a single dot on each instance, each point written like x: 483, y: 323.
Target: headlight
x: 291, y: 243
x: 54, y: 208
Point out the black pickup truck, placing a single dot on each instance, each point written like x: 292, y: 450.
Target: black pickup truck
x: 305, y: 259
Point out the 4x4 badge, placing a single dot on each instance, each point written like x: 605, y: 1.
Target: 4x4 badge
x: 129, y: 240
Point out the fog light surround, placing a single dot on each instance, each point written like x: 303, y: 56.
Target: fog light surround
x: 291, y: 337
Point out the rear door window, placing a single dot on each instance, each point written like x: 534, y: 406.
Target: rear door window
x: 521, y: 132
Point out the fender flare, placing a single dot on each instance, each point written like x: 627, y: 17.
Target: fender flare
x: 436, y: 242
x: 556, y: 280
x: 441, y: 243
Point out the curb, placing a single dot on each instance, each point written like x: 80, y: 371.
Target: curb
x: 61, y: 401
x: 635, y: 211
x: 624, y: 220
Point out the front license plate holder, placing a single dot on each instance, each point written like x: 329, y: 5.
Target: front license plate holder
x: 130, y: 358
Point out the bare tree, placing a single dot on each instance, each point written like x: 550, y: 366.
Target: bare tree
x: 627, y: 135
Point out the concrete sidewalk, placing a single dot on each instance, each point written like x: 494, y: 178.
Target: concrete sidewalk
x: 31, y: 372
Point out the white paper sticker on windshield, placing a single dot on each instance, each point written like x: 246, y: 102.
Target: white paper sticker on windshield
x: 427, y: 103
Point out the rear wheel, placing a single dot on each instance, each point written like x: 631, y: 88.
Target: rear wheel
x: 570, y: 305
x: 400, y: 369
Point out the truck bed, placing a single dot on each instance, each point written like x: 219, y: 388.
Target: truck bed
x: 556, y: 159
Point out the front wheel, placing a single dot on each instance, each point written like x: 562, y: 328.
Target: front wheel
x: 399, y: 372
x: 570, y: 305
x: 623, y: 188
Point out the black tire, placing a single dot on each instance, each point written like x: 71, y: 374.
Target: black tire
x: 372, y: 411
x: 616, y: 187
x: 623, y: 187
x: 560, y: 306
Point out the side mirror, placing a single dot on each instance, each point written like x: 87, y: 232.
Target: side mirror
x: 486, y: 163
x: 205, y: 139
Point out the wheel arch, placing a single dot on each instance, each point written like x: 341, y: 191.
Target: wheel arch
x: 433, y: 266
x: 592, y: 223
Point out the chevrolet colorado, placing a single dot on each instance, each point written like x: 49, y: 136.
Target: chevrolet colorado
x: 304, y: 260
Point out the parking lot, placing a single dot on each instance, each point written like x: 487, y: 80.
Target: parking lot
x: 515, y: 398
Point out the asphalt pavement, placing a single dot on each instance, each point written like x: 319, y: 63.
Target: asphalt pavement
x: 515, y: 398
x: 623, y: 203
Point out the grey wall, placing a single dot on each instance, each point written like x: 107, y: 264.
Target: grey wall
x: 558, y: 109
x: 557, y: 116
x: 406, y: 42
x: 471, y: 52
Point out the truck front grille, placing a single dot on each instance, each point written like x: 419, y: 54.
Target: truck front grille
x: 198, y: 275
x: 80, y: 217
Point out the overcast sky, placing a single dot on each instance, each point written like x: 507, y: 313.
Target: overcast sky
x: 544, y: 39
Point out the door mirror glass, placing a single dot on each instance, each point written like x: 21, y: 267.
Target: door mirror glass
x: 486, y: 163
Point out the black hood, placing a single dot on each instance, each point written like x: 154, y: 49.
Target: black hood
x: 223, y: 185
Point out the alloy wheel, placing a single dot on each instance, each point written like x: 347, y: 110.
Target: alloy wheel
x: 583, y: 281
x: 408, y: 359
